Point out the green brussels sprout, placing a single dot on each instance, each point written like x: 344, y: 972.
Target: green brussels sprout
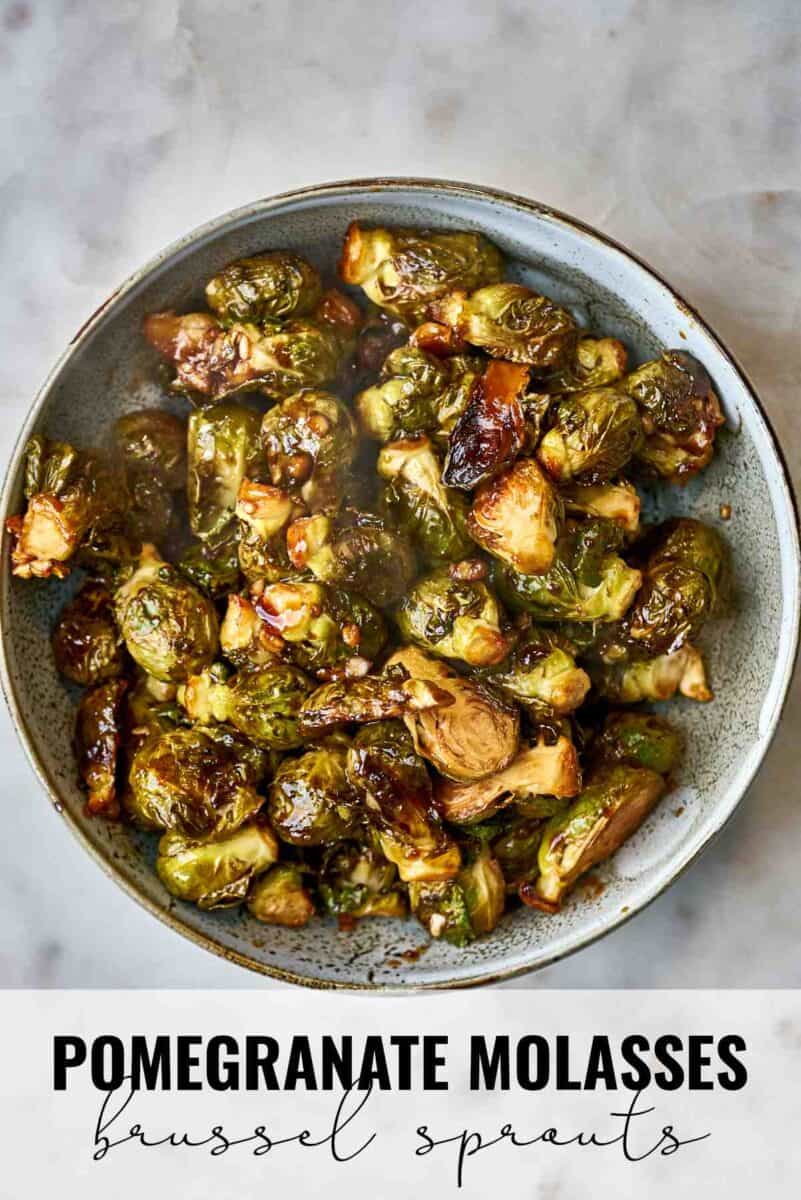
x: 516, y: 518
x: 616, y: 502
x: 87, y: 645
x: 194, y: 781
x: 453, y: 618
x: 263, y: 703
x: 474, y: 737
x: 587, y: 582
x: 593, y: 436
x: 657, y: 678
x: 151, y: 443
x: 441, y: 908
x: 170, y: 628
x: 680, y: 414
x: 542, y: 769
x: 150, y: 707
x: 357, y: 881
x: 491, y: 430
x: 311, y: 800
x: 309, y: 443
x: 404, y: 270
x: 264, y: 514
x: 598, y: 362
x: 417, y: 393
x: 516, y: 849
x: 484, y: 889
x: 97, y: 745
x: 267, y: 287
x: 639, y: 739
x: 224, y: 448
x: 370, y: 698
x: 614, y: 803
x: 218, y: 873
x: 358, y: 552
x: 213, y: 565
x: 511, y: 322
x: 541, y: 673
x: 279, y: 898
x: 322, y: 626
x: 245, y: 639
x: 432, y: 515
x: 396, y: 790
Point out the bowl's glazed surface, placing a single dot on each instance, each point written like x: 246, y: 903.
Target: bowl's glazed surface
x: 109, y: 369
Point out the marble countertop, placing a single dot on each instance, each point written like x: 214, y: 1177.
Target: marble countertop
x: 676, y: 129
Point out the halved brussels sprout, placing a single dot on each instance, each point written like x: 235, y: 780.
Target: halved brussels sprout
x: 432, y: 515
x: 357, y: 881
x: 639, y: 739
x: 680, y: 412
x: 490, y: 433
x: 223, y: 448
x: 454, y: 618
x: 311, y: 800
x: 264, y: 703
x: 593, y: 436
x: 474, y: 737
x: 245, y: 639
x: 218, y: 873
x: 309, y: 443
x: 170, y: 628
x: 404, y: 270
x: 616, y: 502
x: 97, y: 744
x: 598, y: 362
x: 516, y: 518
x: 657, y: 678
x: 371, y: 698
x: 267, y: 287
x: 87, y: 645
x: 280, y: 898
x: 441, y: 908
x: 540, y: 770
x: 264, y: 514
x: 322, y: 626
x: 358, y: 552
x: 395, y: 787
x: 484, y: 889
x: 511, y: 322
x: 541, y: 673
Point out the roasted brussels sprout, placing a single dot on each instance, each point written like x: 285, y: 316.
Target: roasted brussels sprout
x: 357, y: 881
x: 216, y: 873
x: 267, y: 287
x: 404, y: 270
x: 223, y: 448
x: 433, y: 516
x: 170, y: 628
x: 616, y: 502
x: 309, y: 443
x: 613, y: 804
x: 87, y: 645
x: 213, y: 565
x: 680, y: 413
x: 358, y: 552
x: 417, y: 393
x: 543, y: 769
x: 541, y: 674
x: 511, y: 322
x: 453, y: 618
x: 245, y: 639
x: 395, y: 787
x: 263, y: 703
x: 97, y: 745
x: 311, y: 800
x: 151, y: 443
x: 484, y: 889
x: 474, y: 737
x: 639, y: 739
x: 593, y: 436
x: 516, y: 849
x: 598, y: 362
x: 516, y: 518
x: 657, y: 678
x: 587, y: 582
x: 323, y: 626
x: 264, y: 514
x: 150, y: 707
x: 441, y: 908
x: 371, y: 698
x: 490, y: 433
x: 280, y: 898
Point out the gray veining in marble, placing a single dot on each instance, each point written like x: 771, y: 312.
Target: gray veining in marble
x: 675, y: 128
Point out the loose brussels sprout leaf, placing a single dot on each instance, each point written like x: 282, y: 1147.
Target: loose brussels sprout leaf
x: 151, y: 444
x: 357, y: 881
x: 441, y: 908
x: 541, y: 673
x: 213, y: 565
x: 170, y: 628
x: 511, y: 322
x: 657, y: 678
x: 593, y: 436
x: 264, y: 513
x: 639, y: 739
x: 432, y: 516
x: 309, y: 443
x: 598, y: 362
x: 245, y: 640
x: 215, y: 874
x: 194, y: 781
x: 681, y: 414
x: 516, y: 518
x: 515, y: 849
x: 267, y: 287
x: 474, y: 737
x: 538, y: 770
x: 279, y: 898
x: 371, y: 698
x: 97, y: 744
x: 587, y: 582
x: 404, y: 270
x: 87, y: 645
x: 263, y: 703
x: 614, y: 803
x: 323, y: 626
x: 395, y: 787
x: 453, y: 618
x: 490, y: 432
x: 311, y: 800
x: 223, y: 447
x: 484, y: 889
x: 358, y: 552
x: 616, y: 502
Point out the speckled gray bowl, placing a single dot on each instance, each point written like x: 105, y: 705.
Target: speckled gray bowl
x: 108, y: 369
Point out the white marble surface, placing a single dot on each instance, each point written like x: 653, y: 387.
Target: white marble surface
x: 674, y: 127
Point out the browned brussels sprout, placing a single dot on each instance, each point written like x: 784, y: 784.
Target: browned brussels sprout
x: 395, y: 787
x: 267, y: 287
x: 598, y: 362
x: 592, y: 437
x: 680, y: 413
x: 657, y: 678
x: 309, y: 443
x: 484, y: 889
x: 280, y: 898
x: 511, y: 322
x: 357, y: 881
x: 542, y: 769
x: 541, y: 673
x: 245, y: 639
x: 216, y: 873
x: 371, y: 698
x: 263, y: 703
x: 358, y: 552
x: 639, y: 739
x: 441, y: 909
x: 311, y: 800
x: 515, y: 848
x: 213, y: 565
x: 150, y: 707
x: 433, y: 516
x: 616, y: 502
x: 490, y: 433
x: 323, y: 626
x: 264, y: 513
x: 170, y: 628
x: 224, y: 448
x: 516, y: 517
x: 87, y: 645
x: 151, y: 443
x: 97, y: 744
x: 417, y: 393
x: 454, y: 618
x: 404, y: 270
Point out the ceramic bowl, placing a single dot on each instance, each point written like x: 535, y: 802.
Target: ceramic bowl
x: 108, y: 369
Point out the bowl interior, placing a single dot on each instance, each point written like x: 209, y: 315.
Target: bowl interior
x: 750, y: 654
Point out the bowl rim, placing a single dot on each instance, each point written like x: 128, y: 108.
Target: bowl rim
x: 481, y: 193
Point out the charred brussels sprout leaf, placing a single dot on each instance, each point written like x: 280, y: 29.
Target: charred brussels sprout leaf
x: 280, y: 898
x: 453, y: 618
x: 680, y: 412
x: 540, y: 770
x: 87, y: 645
x: 511, y: 322
x: 516, y: 518
x: 223, y: 449
x: 639, y: 739
x: 322, y: 626
x: 309, y: 443
x: 266, y: 287
x: 490, y: 432
x: 357, y: 881
x: 359, y: 552
x: 311, y: 801
x: 372, y: 698
x: 541, y: 673
x: 432, y: 515
x: 593, y: 436
x: 97, y: 745
x: 218, y: 873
